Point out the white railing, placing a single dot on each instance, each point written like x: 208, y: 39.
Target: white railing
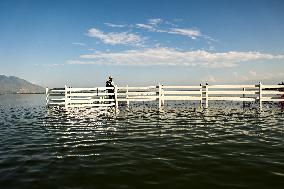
x: 55, y: 97
x: 69, y: 97
x: 167, y: 93
x: 111, y: 96
x: 137, y: 94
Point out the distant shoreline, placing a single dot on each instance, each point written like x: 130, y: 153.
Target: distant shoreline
x: 20, y: 93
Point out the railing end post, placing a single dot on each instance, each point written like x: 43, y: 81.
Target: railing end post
x: 260, y: 96
x: 66, y: 99
x: 115, y: 97
x: 206, y: 96
x: 160, y: 97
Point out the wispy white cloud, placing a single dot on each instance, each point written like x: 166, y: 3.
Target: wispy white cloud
x: 115, y: 25
x: 150, y: 28
x: 192, y: 33
x: 114, y: 38
x: 79, y: 44
x: 155, y: 21
x: 145, y: 26
x: 168, y: 56
x: 153, y: 25
x: 55, y: 65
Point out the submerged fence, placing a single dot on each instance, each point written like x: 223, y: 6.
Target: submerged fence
x: 104, y: 97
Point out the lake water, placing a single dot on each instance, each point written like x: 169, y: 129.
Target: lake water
x: 179, y: 147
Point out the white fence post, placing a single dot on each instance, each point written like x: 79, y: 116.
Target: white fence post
x: 201, y: 96
x: 160, y: 103
x: 206, y: 95
x: 260, y: 96
x: 244, y: 89
x: 115, y: 97
x: 66, y: 98
x: 162, y: 96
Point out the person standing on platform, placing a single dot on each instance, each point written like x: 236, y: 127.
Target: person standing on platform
x: 110, y: 83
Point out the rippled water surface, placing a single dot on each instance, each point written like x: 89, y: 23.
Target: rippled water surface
x: 140, y: 147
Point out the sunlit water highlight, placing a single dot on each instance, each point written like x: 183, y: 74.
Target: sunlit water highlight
x: 141, y: 147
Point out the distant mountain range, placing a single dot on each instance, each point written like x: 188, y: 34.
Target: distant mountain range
x: 12, y: 84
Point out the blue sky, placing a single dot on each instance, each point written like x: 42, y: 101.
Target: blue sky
x: 80, y: 43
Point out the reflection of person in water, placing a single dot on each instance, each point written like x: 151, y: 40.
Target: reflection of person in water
x: 110, y: 83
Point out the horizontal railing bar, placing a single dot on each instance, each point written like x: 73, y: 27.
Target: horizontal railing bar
x: 79, y: 98
x: 136, y: 88
x: 271, y: 97
x: 182, y: 87
x: 89, y: 94
x: 55, y: 90
x: 140, y: 93
x: 90, y: 101
x: 272, y: 100
x: 182, y: 98
x: 57, y: 99
x: 90, y: 89
x: 182, y: 92
x: 125, y: 94
x: 135, y: 100
x: 90, y: 105
x: 56, y: 94
x: 56, y: 103
x: 232, y: 86
x: 272, y: 86
x: 233, y: 92
x: 140, y: 97
x: 272, y: 92
x: 58, y: 88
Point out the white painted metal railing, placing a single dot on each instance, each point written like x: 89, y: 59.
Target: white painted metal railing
x: 69, y: 97
x: 185, y: 93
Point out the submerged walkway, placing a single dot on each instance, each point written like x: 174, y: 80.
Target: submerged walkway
x: 69, y: 97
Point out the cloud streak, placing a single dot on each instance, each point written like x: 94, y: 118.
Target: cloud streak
x: 79, y: 44
x: 145, y: 26
x: 115, y: 25
x: 153, y: 26
x: 192, y: 33
x: 173, y: 57
x: 155, y: 21
x: 114, y: 38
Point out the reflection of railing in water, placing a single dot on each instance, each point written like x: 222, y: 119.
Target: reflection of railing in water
x: 69, y: 97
